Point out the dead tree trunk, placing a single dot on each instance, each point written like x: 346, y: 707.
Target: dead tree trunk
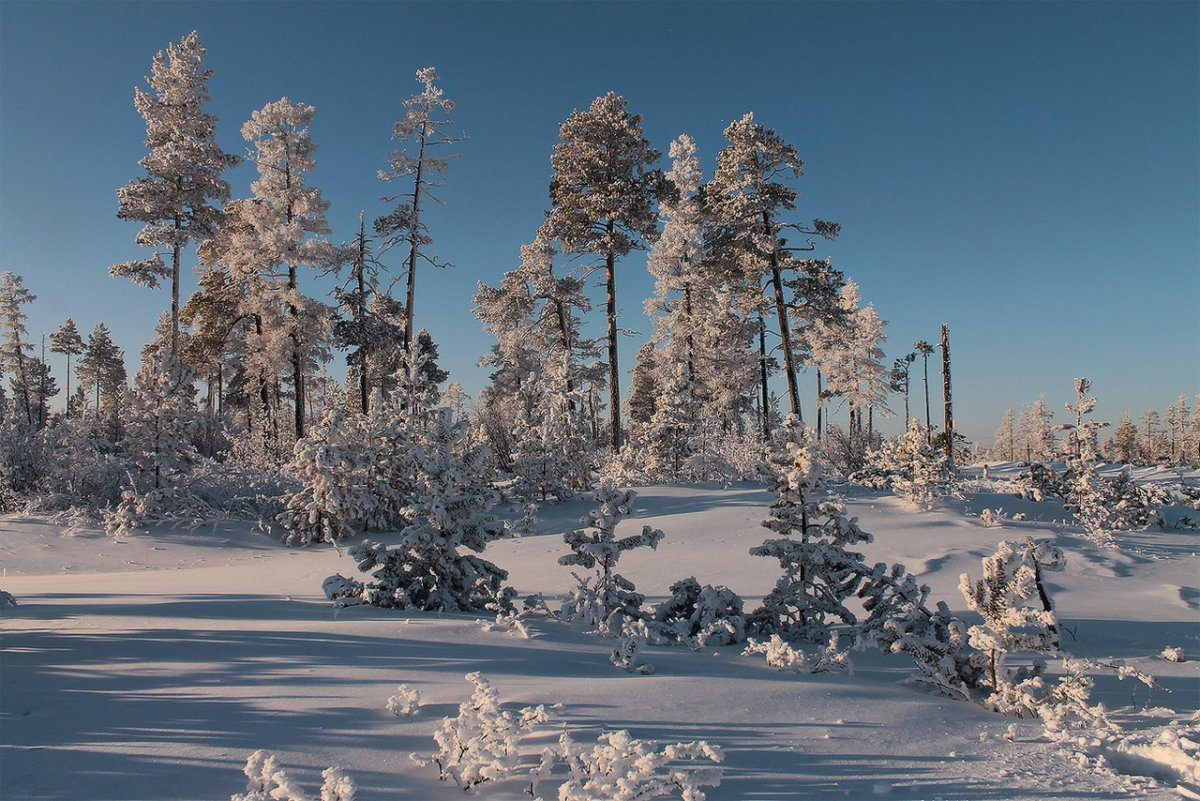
x: 946, y: 396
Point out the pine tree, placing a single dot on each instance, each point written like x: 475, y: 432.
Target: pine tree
x: 644, y: 387
x: 749, y: 203
x: 285, y: 215
x: 423, y: 128
x: 1149, y: 422
x: 66, y: 340
x: 162, y: 420
x: 1005, y: 446
x: 900, y: 382
x: 15, y: 356
x: 1178, y: 415
x: 925, y: 350
x: 183, y: 168
x: 102, y: 367
x: 1035, y: 431
x: 1124, y: 444
x: 1084, y: 490
x: 602, y: 196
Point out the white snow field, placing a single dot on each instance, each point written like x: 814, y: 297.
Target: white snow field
x: 151, y: 667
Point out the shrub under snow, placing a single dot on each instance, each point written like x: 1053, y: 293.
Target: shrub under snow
x: 266, y: 781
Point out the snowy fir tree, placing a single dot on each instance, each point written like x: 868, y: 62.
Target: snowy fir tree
x: 923, y: 466
x: 16, y: 356
x: 1035, y: 432
x: 549, y: 449
x: 602, y: 194
x: 332, y: 499
x: 1004, y: 446
x: 183, y: 179
x: 162, y: 421
x: 448, y: 510
x: 66, y: 340
x: 812, y: 544
x: 102, y: 369
x: 604, y: 601
x: 1124, y: 445
x: 1083, y: 485
x: 286, y: 219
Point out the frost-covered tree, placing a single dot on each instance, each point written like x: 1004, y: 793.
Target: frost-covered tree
x: 183, y: 180
x: 66, y: 340
x: 1124, y: 444
x: 1149, y: 421
x: 1017, y: 613
x: 447, y: 508
x: 1004, y: 446
x: 1084, y: 490
x: 923, y: 466
x: 15, y: 351
x: 644, y: 388
x: 161, y: 421
x: 813, y: 543
x: 550, y: 452
x: 602, y: 195
x: 749, y: 198
x: 267, y: 781
x: 1035, y: 432
x: 606, y: 600
x: 332, y: 499
x: 424, y: 129
x: 900, y: 381
x: 286, y: 219
x: 102, y: 368
x: 481, y: 744
x: 1178, y: 417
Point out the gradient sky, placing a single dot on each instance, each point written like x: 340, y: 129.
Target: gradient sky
x: 1028, y: 173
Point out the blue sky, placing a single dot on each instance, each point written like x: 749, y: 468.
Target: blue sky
x: 1028, y: 173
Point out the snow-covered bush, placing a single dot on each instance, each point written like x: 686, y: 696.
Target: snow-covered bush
x: 1012, y: 579
x: 481, y: 743
x: 704, y: 615
x: 604, y: 600
x: 1038, y: 483
x: 779, y: 653
x: 622, y: 768
x: 937, y: 643
x: 991, y: 519
x: 1130, y: 506
x: 627, y: 656
x: 1172, y: 653
x: 449, y: 510
x: 266, y: 781
x: 405, y: 703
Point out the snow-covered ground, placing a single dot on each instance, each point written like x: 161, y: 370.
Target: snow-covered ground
x: 150, y: 667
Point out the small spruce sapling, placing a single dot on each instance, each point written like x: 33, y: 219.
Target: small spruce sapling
x: 605, y: 600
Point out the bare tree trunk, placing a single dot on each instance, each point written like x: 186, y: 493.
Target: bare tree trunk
x: 785, y: 329
x: 762, y: 364
x: 928, y: 424
x: 946, y: 394
x: 363, y: 381
x: 414, y: 242
x: 614, y: 385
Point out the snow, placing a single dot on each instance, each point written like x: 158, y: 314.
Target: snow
x: 152, y: 666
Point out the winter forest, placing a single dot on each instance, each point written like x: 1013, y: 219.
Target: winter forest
x: 763, y: 560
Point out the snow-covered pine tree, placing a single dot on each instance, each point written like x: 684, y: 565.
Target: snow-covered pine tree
x: 332, y: 500
x: 814, y: 537
x: 1035, y: 432
x: 606, y: 600
x: 183, y: 169
x: 749, y: 201
x: 16, y: 356
x: 550, y: 451
x: 1124, y: 447
x: 1084, y: 492
x: 423, y: 129
x: 1017, y: 615
x: 1004, y: 447
x: 1149, y: 422
x: 1178, y: 417
x: 925, y: 350
x: 448, y: 509
x: 923, y: 466
x: 67, y: 341
x: 161, y: 421
x: 671, y: 435
x: 287, y: 219
x: 102, y: 368
x: 602, y: 196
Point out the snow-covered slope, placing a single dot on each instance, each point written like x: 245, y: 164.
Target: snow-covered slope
x: 151, y: 667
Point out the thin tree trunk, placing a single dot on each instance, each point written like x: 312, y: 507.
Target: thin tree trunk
x: 785, y: 329
x: 928, y: 424
x: 762, y: 364
x: 414, y: 242
x: 946, y: 394
x: 297, y: 361
x: 820, y: 406
x: 614, y: 386
x: 67, y: 402
x: 363, y: 383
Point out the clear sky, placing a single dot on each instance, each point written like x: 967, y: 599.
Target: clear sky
x: 1028, y: 173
